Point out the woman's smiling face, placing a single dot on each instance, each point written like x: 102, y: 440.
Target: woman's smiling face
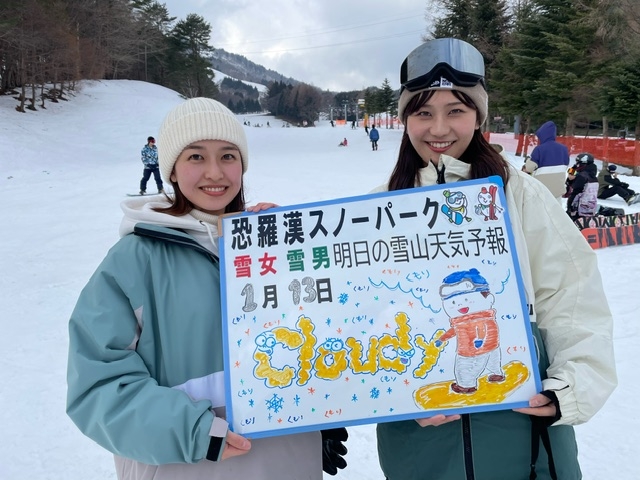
x: 444, y: 124
x: 209, y: 174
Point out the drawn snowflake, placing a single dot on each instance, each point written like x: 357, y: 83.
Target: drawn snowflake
x: 275, y: 403
x: 375, y: 393
x: 354, y: 398
x: 343, y: 298
x: 296, y: 400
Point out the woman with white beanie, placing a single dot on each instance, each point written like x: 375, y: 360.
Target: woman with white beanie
x: 443, y: 104
x: 145, y: 372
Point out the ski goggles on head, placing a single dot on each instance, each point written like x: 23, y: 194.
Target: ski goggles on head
x: 442, y: 63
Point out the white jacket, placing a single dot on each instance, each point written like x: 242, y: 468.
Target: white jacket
x: 552, y: 176
x: 563, y: 283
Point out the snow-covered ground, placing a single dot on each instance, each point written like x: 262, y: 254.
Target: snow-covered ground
x: 63, y: 173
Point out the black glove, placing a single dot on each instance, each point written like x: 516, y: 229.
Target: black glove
x: 333, y: 450
x: 624, y: 185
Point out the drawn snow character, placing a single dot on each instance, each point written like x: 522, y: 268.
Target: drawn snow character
x: 404, y: 356
x: 265, y: 342
x: 467, y: 301
x: 488, y: 206
x: 455, y: 207
x: 332, y: 359
x: 273, y: 377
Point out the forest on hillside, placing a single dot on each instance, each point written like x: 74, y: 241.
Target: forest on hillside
x: 576, y: 62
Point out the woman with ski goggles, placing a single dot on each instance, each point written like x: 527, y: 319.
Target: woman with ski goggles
x: 443, y: 104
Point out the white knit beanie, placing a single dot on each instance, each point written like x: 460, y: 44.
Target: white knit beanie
x: 477, y: 94
x: 195, y: 120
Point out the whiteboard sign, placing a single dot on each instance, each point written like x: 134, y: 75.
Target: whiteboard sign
x: 375, y: 308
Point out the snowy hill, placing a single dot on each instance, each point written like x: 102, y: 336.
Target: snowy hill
x: 64, y: 171
x: 219, y: 76
x: 240, y: 67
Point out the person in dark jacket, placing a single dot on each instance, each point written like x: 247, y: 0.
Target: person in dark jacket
x: 549, y: 152
x: 610, y: 185
x: 374, y: 136
x: 582, y: 201
x: 549, y: 160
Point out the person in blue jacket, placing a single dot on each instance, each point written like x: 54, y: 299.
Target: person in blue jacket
x: 145, y: 370
x: 149, y: 157
x: 549, y: 160
x: 374, y: 136
x: 549, y: 152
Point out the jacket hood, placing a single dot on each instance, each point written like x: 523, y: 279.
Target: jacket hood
x: 201, y: 226
x: 547, y: 132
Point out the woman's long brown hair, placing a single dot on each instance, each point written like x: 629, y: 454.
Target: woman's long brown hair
x: 482, y: 157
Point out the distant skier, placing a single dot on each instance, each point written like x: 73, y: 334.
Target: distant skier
x: 374, y: 136
x: 150, y: 161
x: 343, y: 143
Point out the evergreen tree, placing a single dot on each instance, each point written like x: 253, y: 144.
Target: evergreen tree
x: 455, y: 21
x: 483, y: 23
x: 387, y: 99
x: 563, y: 56
x: 520, y: 63
x: 372, y: 102
x: 189, y: 59
x: 490, y: 25
x: 620, y: 97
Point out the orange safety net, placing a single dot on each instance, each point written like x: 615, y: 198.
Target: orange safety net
x: 613, y: 150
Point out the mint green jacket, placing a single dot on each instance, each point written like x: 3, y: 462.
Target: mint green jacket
x: 145, y: 369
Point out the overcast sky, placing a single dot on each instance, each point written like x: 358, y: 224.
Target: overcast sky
x: 337, y: 45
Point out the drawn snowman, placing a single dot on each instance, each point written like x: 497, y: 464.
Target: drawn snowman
x: 467, y: 301
x: 455, y: 207
x: 487, y: 203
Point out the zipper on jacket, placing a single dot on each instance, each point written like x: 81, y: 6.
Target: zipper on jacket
x: 440, y: 180
x: 468, y: 450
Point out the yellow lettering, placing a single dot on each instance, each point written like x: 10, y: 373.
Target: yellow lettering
x: 401, y: 340
x: 306, y: 354
x: 338, y: 364
x: 273, y: 377
x: 290, y: 338
x: 370, y: 365
x: 431, y: 353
